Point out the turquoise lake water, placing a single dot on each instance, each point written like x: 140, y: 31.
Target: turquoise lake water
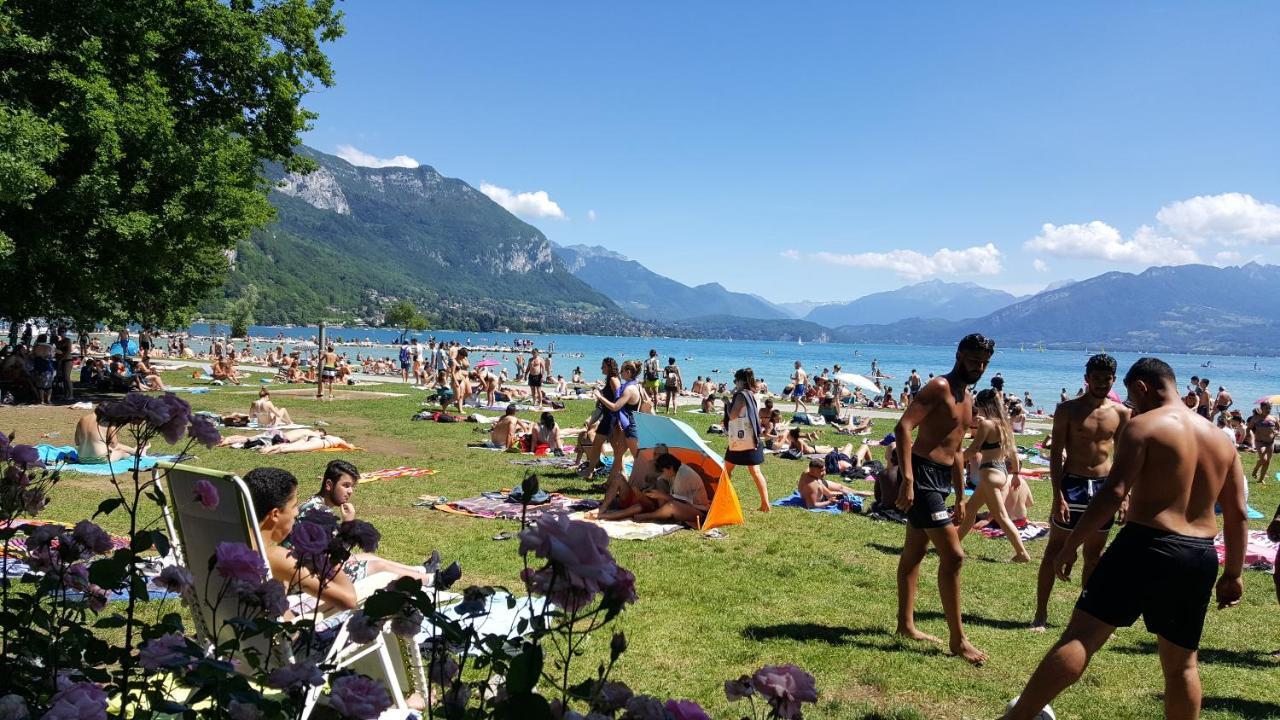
x: 1044, y: 374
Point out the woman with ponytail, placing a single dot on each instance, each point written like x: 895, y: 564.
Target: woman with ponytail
x: 996, y: 455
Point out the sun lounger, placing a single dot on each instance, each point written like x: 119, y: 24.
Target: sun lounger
x: 195, y: 533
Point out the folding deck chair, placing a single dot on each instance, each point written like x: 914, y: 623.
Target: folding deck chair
x: 195, y: 533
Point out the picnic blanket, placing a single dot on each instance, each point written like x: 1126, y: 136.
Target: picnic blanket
x: 15, y: 569
x: 397, y: 472
x: 66, y: 453
x: 564, y: 463
x: 194, y: 390
x: 629, y: 529
x: 1259, y: 553
x: 498, y: 505
x: 794, y: 500
x: 1026, y: 530
x: 490, y: 617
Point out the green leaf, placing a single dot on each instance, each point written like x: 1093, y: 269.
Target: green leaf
x: 106, y: 506
x: 525, y: 670
x: 383, y: 604
x: 109, y: 572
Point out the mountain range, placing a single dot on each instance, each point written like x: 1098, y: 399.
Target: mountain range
x: 349, y: 240
x: 644, y: 294
x: 1183, y: 308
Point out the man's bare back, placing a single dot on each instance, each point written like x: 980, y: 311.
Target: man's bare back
x: 1183, y: 463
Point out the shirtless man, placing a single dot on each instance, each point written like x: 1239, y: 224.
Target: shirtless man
x: 507, y: 430
x: 816, y: 491
x: 97, y: 442
x: 913, y: 383
x: 1221, y: 403
x: 931, y: 465
x: 799, y: 379
x: 1173, y: 467
x: 538, y: 370
x: 1264, y: 428
x: 1085, y: 429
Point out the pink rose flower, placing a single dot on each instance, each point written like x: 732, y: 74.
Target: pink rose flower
x: 78, y: 701
x: 13, y: 707
x: 175, y: 579
x: 166, y: 652
x: 785, y: 687
x: 685, y: 710
x: 295, y: 676
x: 359, y: 697
x: 206, y: 494
x: 237, y: 561
x: 92, y: 538
x: 361, y: 629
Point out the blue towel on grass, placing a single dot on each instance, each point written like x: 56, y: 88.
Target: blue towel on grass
x: 193, y: 390
x: 794, y: 500
x: 51, y: 454
x: 493, y: 618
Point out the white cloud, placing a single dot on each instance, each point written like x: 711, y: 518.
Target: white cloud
x: 1230, y: 218
x: 911, y: 265
x: 1040, y: 265
x: 364, y: 159
x: 1226, y: 257
x: 1100, y: 241
x: 591, y: 215
x: 790, y: 254
x: 526, y: 204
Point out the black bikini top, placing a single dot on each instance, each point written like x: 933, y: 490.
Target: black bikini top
x: 990, y: 446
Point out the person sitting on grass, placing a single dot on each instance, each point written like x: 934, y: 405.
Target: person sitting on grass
x: 265, y: 412
x: 337, y: 488
x: 547, y: 433
x: 97, y: 442
x: 686, y: 502
x: 506, y: 432
x: 817, y: 491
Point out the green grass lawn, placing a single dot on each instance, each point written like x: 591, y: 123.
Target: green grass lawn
x: 788, y: 586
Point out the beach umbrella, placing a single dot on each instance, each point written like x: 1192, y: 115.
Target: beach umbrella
x: 487, y: 362
x: 306, y: 345
x: 690, y: 449
x: 1114, y: 396
x: 1273, y: 399
x: 857, y: 380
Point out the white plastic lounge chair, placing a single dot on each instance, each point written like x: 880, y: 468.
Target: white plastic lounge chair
x: 195, y: 533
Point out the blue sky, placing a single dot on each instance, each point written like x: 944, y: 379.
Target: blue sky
x: 827, y: 150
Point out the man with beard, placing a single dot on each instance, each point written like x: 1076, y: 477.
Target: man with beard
x: 1085, y: 430
x: 1173, y: 467
x: 931, y: 465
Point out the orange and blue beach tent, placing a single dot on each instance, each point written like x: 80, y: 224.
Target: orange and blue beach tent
x: 690, y: 449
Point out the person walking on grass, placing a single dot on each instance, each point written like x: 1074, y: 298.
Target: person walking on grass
x: 931, y: 465
x: 1173, y: 467
x: 1083, y: 445
x: 747, y: 451
x: 799, y: 386
x: 672, y: 384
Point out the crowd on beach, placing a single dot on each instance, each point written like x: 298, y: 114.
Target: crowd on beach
x: 1158, y: 463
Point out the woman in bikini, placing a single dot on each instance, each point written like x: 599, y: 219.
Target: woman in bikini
x: 994, y: 452
x: 460, y: 379
x: 623, y: 407
x: 314, y: 440
x: 265, y: 412
x: 604, y: 428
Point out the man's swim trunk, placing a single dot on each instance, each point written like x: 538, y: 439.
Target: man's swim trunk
x: 1079, y: 492
x: 932, y: 486
x: 535, y: 380
x: 1164, y: 577
x: 799, y: 391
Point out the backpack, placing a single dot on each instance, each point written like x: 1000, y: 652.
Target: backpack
x: 651, y: 370
x: 404, y: 354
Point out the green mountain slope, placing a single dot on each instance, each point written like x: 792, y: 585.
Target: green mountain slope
x: 347, y: 239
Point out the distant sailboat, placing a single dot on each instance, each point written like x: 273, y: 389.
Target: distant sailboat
x: 799, y: 341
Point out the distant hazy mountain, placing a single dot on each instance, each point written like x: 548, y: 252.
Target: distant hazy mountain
x: 1057, y: 285
x: 930, y: 299
x: 802, y: 308
x: 645, y: 294
x: 1185, y: 308
x: 738, y: 328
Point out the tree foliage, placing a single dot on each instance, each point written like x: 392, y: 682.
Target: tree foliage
x: 240, y: 312
x: 132, y: 137
x: 404, y: 315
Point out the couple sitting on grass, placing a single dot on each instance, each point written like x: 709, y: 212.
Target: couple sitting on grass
x: 660, y: 489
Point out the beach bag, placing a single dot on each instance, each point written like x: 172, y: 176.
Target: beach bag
x: 791, y: 454
x: 741, y: 434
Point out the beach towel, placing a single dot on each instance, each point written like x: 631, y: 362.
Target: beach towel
x: 497, y: 505
x: 1259, y: 553
x: 1027, y: 531
x: 199, y: 390
x: 629, y: 529
x: 399, y: 472
x: 491, y: 616
x: 794, y: 500
x: 67, y: 454
x: 564, y: 463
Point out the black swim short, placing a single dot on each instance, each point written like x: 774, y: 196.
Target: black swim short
x: 1164, y: 577
x: 1079, y: 492
x: 535, y: 380
x: 932, y: 487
